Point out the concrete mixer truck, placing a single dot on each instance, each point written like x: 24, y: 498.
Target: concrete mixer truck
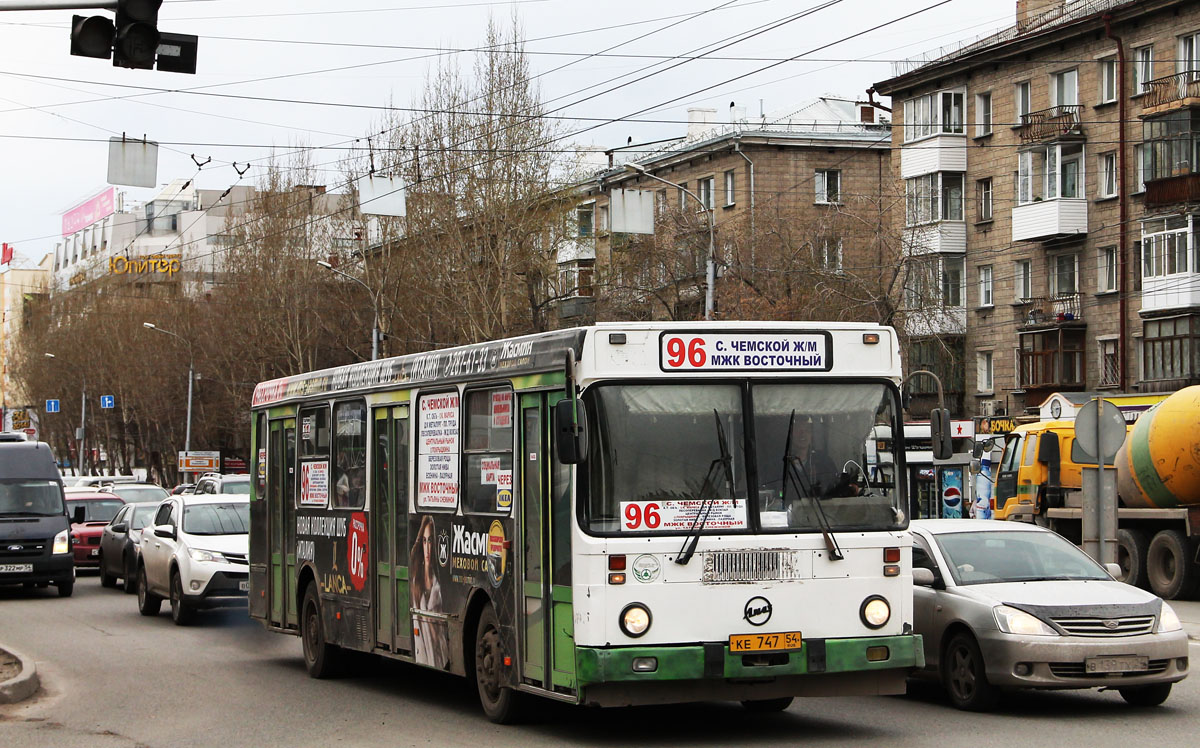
x: 1158, y: 484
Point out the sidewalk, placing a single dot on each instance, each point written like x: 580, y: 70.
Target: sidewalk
x: 1189, y: 612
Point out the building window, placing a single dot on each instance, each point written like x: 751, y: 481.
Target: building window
x: 730, y: 188
x: 933, y: 197
x: 952, y: 281
x: 1064, y: 88
x: 984, y: 380
x: 1022, y: 99
x: 952, y: 197
x: 829, y: 185
x: 1189, y: 55
x: 933, y: 113
x: 1108, y: 174
x: 1106, y: 268
x: 983, y: 189
x: 683, y: 196
x: 1108, y: 80
x: 1023, y: 280
x: 602, y: 219
x: 952, y: 112
x: 1064, y: 278
x: 1143, y: 69
x: 985, y: 285
x: 1110, y: 363
x: 1140, y: 152
x: 1172, y: 145
x: 1171, y: 348
x: 1165, y: 246
x: 705, y: 188
x: 660, y: 203
x: 585, y: 220
x: 983, y: 114
x: 831, y: 255
x: 1049, y: 172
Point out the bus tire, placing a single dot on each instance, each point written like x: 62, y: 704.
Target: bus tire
x: 767, y: 706
x: 1169, y: 565
x: 322, y: 659
x: 500, y: 703
x: 1131, y: 555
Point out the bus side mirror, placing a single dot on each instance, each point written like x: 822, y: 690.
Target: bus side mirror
x: 570, y: 445
x: 939, y: 429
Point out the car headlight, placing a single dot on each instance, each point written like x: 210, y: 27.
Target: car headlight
x: 62, y: 542
x: 1013, y: 621
x: 212, y: 556
x: 635, y: 619
x: 875, y: 612
x: 1168, y: 620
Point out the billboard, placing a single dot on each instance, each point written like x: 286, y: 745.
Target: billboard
x: 87, y: 213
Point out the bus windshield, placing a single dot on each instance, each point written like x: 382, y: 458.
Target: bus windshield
x: 656, y: 460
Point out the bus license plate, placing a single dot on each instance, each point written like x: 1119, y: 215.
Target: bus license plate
x: 1116, y: 664
x: 15, y: 568
x: 244, y: 586
x: 782, y: 642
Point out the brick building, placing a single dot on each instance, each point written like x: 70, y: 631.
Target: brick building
x: 1051, y: 179
x: 799, y: 200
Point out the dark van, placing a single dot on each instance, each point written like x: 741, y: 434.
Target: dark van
x: 35, y: 531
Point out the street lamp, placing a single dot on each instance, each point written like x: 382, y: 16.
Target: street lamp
x: 374, y: 306
x: 710, y: 275
x: 187, y: 439
x: 82, y: 415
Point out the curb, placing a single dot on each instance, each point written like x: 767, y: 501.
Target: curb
x: 23, y: 685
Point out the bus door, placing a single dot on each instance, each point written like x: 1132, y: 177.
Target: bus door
x: 281, y: 486
x: 389, y: 533
x: 547, y: 620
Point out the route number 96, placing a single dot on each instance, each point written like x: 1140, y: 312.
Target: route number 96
x: 642, y: 516
x: 690, y: 351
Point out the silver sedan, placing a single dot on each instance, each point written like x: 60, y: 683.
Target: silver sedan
x: 1012, y: 605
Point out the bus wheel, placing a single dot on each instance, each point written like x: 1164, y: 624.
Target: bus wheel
x: 500, y: 703
x: 1131, y: 555
x: 767, y: 706
x: 1169, y: 565
x: 323, y: 660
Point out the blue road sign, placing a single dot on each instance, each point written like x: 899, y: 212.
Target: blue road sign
x: 51, y: 406
x: 107, y: 401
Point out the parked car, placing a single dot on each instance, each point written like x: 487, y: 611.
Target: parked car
x: 96, y: 481
x: 223, y: 483
x: 119, y: 544
x: 139, y: 492
x: 90, y: 511
x: 183, y: 488
x: 196, y: 555
x: 35, y: 531
x: 1012, y: 605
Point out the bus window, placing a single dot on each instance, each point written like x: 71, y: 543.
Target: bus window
x: 350, y: 455
x: 489, y: 451
x: 1012, y: 448
x: 1030, y: 449
x: 314, y: 457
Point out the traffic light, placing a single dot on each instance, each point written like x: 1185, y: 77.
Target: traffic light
x: 92, y: 36
x: 135, y: 43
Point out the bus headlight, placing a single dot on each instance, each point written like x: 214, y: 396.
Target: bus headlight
x: 875, y: 612
x: 62, y: 542
x: 635, y: 620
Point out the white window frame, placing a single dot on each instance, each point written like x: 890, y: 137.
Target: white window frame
x: 1047, y: 162
x: 947, y: 288
x: 1107, y: 182
x: 985, y: 381
x: 1055, y: 290
x: 930, y: 198
x: 705, y: 190
x: 1108, y: 80
x: 586, y: 208
x: 1023, y: 280
x: 1022, y: 99
x: 1103, y: 344
x: 1188, y: 58
x: 983, y: 114
x: 730, y: 187
x: 831, y: 261
x: 1106, y: 269
x: 1143, y: 68
x: 940, y: 112
x: 987, y: 290
x: 821, y: 180
x: 985, y: 195
x: 1064, y: 88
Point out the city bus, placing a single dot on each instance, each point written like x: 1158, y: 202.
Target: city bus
x: 620, y: 514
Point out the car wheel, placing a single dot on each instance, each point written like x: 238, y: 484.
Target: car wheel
x: 129, y: 583
x: 106, y: 579
x: 1169, y: 565
x: 965, y: 677
x: 1146, y: 695
x: 181, y: 613
x: 500, y: 703
x: 767, y: 706
x: 323, y: 660
x: 148, y: 602
x: 1132, y: 546
x: 66, y: 587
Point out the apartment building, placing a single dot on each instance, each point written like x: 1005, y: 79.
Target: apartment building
x: 772, y: 183
x: 19, y: 290
x: 1051, y: 181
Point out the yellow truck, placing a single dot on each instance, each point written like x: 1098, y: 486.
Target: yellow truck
x: 1158, y: 485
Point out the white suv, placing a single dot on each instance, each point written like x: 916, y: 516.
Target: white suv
x: 195, y: 553
x: 218, y: 483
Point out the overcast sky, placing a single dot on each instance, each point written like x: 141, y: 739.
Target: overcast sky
x: 308, y: 40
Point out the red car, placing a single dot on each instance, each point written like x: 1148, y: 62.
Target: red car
x: 90, y: 511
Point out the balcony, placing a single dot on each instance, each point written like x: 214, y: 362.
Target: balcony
x: 1047, y: 124
x: 936, y: 321
x: 942, y: 237
x: 1051, y: 359
x: 1172, y: 92
x: 1046, y: 219
x: 1172, y: 191
x: 1061, y: 310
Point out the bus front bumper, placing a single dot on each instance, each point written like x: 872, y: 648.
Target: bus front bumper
x: 822, y: 667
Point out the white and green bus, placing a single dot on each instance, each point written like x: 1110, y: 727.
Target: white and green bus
x: 612, y: 515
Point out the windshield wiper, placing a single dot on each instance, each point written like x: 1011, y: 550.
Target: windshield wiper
x: 708, y: 489
x: 791, y: 469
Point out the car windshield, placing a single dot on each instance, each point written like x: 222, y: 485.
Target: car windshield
x: 37, y: 497
x: 140, y: 493
x: 96, y: 510
x: 1015, y: 556
x: 142, y: 515
x: 232, y: 518
x: 658, y: 451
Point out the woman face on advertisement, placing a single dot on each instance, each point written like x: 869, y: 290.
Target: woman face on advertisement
x: 427, y: 549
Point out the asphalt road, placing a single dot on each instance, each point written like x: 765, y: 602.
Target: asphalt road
x: 113, y: 678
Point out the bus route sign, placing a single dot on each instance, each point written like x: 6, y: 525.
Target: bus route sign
x: 744, y: 351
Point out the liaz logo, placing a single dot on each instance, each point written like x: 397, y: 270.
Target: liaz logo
x: 757, y: 611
